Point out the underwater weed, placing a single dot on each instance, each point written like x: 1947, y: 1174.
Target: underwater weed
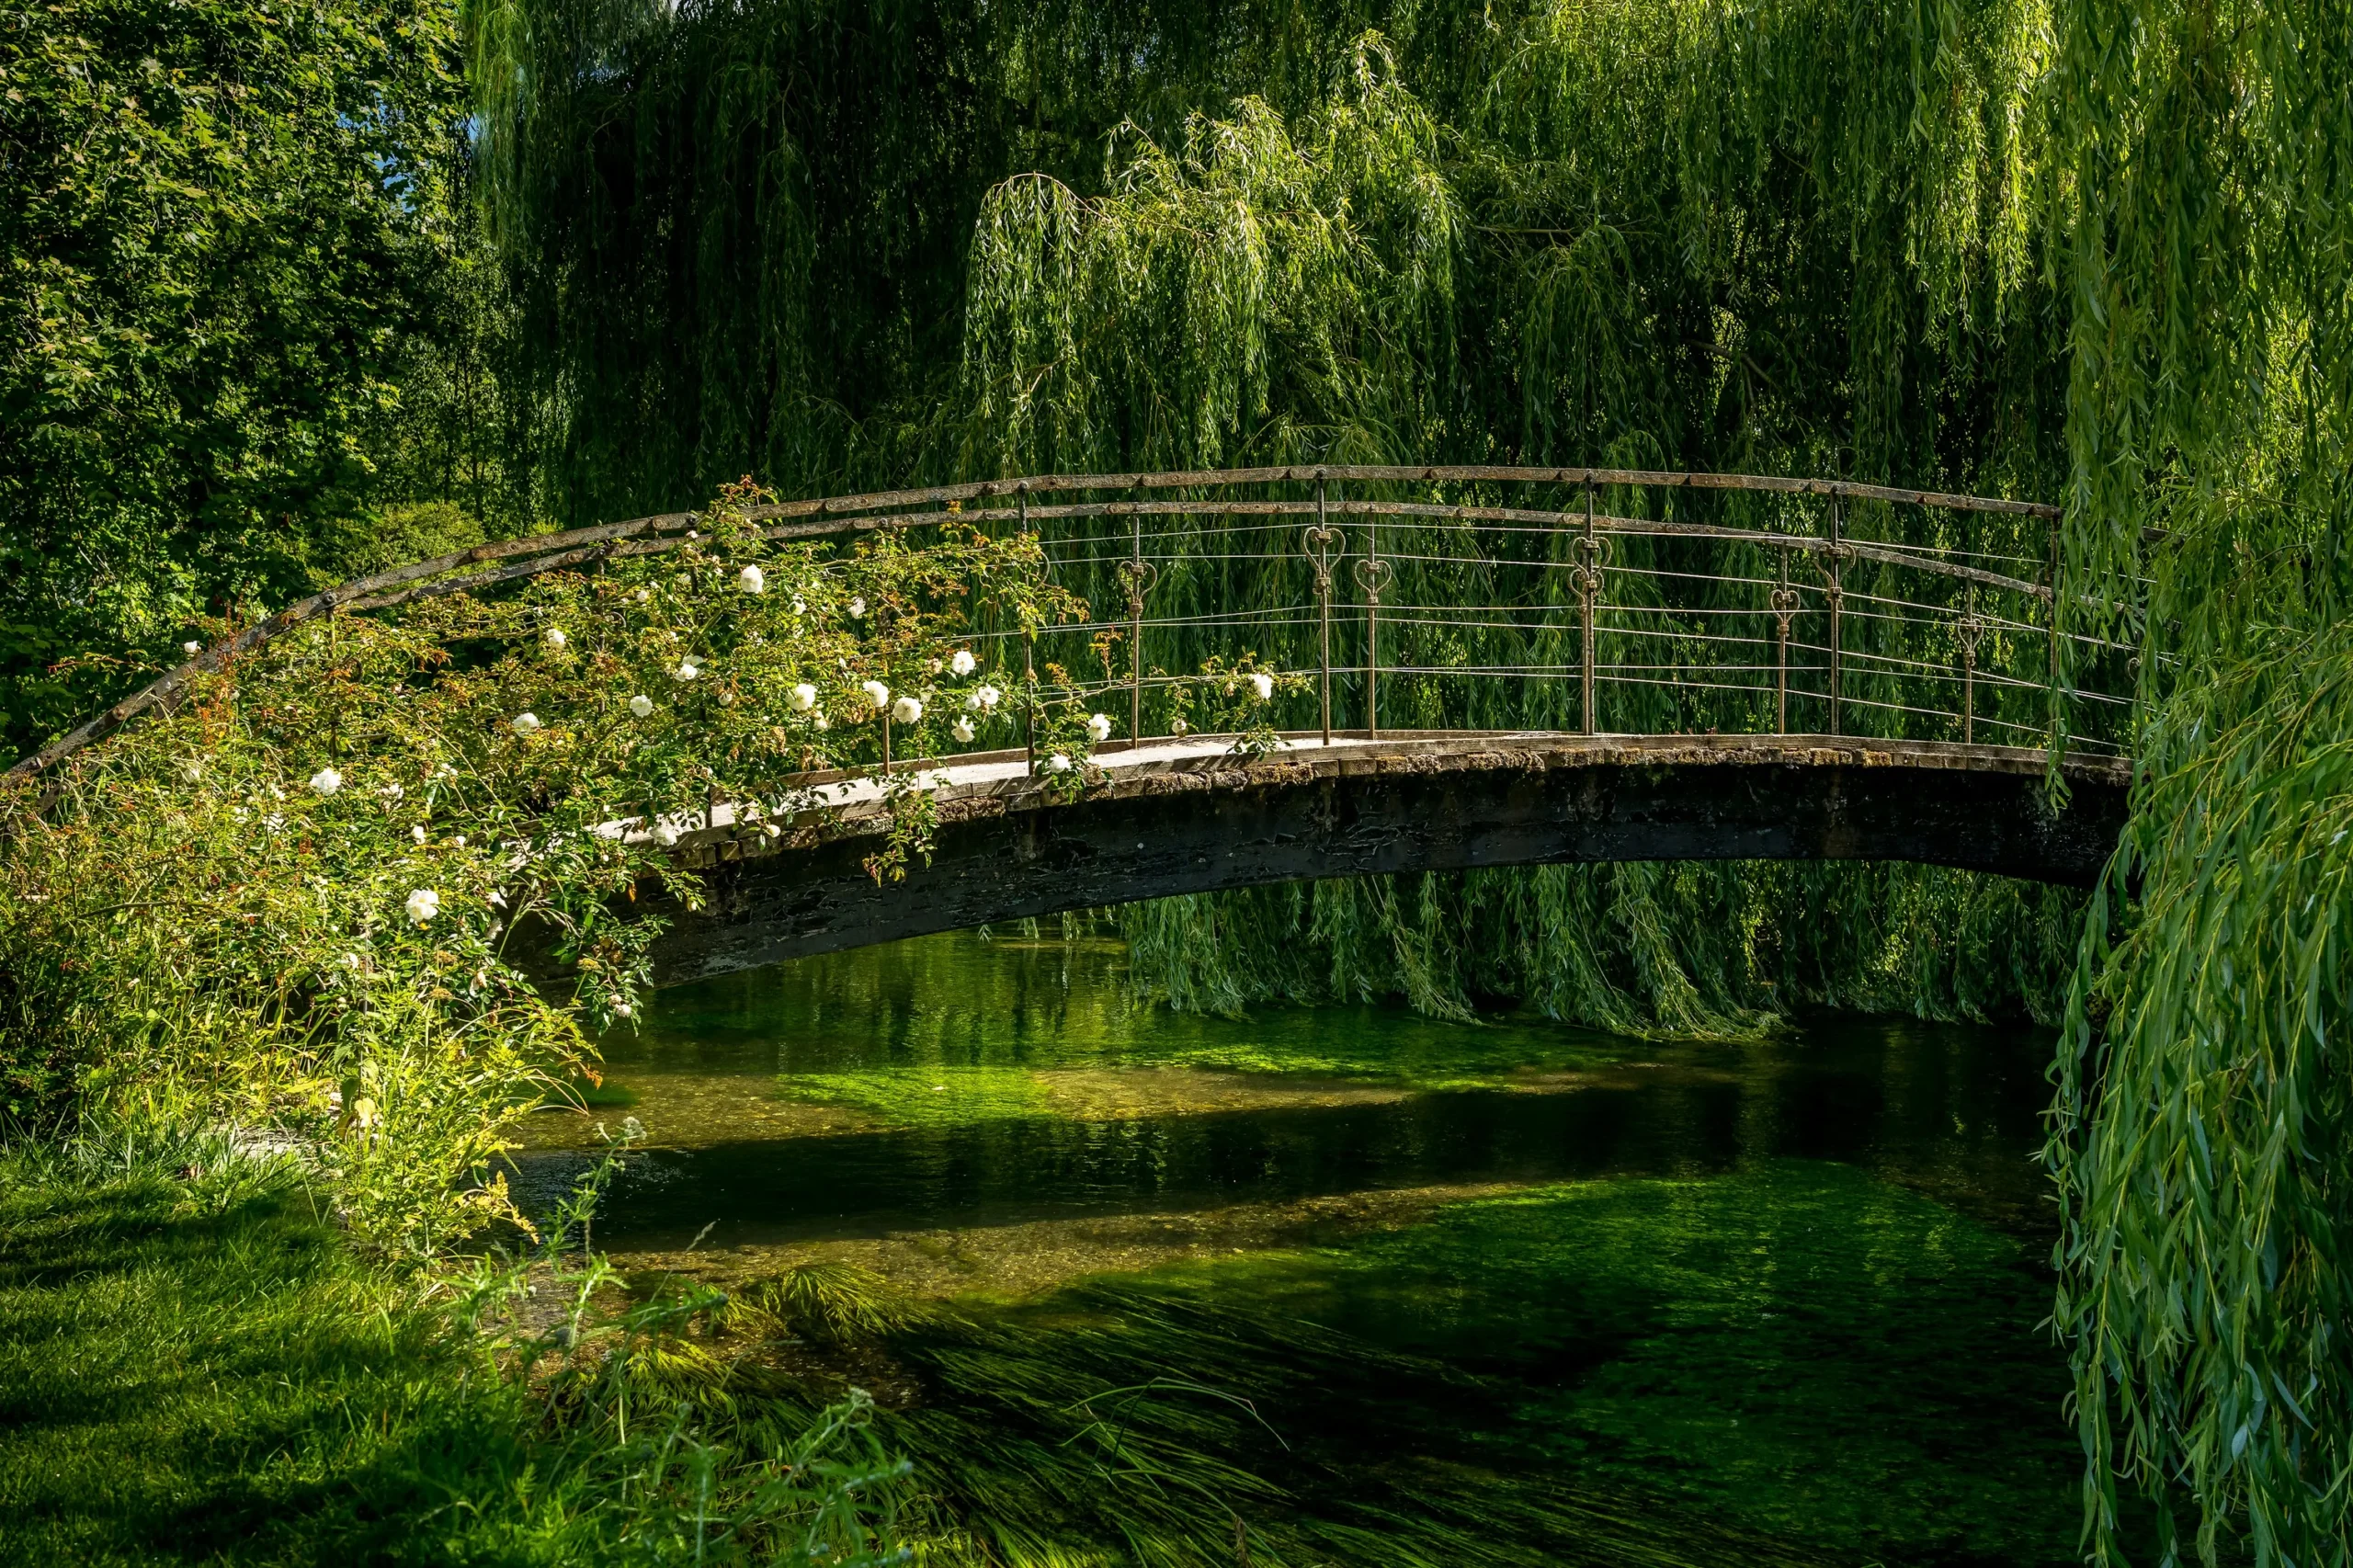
x: 837, y: 1301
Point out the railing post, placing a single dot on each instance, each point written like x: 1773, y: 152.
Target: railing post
x: 1373, y: 576
x: 1587, y: 579
x: 2056, y: 745
x: 1785, y: 605
x: 1970, y: 630
x: 1838, y: 615
x: 1135, y: 569
x: 1029, y: 666
x: 1320, y: 541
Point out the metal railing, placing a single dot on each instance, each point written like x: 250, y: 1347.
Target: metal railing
x: 1602, y: 600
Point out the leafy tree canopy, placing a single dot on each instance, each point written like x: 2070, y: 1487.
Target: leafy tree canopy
x: 225, y: 228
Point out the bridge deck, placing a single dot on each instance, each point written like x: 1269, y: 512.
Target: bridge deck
x: 1173, y: 816
x: 985, y: 783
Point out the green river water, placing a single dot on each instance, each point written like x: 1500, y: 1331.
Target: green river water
x: 1349, y: 1286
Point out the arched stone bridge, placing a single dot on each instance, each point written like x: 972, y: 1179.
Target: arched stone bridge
x: 1189, y: 816
x: 1738, y: 601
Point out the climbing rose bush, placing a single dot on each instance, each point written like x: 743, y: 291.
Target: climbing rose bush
x: 296, y: 905
x: 291, y: 907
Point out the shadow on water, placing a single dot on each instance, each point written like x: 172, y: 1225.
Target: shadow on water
x: 1001, y: 1172
x: 1345, y: 1286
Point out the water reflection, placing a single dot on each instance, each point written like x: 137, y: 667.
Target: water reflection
x: 1396, y: 1290
x: 952, y: 1081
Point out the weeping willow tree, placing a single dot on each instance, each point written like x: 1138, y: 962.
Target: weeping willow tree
x: 2089, y: 250
x: 2201, y: 1143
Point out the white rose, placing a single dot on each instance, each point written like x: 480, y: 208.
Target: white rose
x: 875, y: 689
x: 191, y: 649
x: 906, y: 710
x: 643, y: 595
x: 1264, y: 685
x: 641, y: 706
x: 820, y: 723
x: 1059, y: 762
x: 858, y: 609
x: 961, y: 664
x: 1179, y: 727
x: 750, y: 580
x: 797, y: 607
x: 1100, y: 727
x: 686, y: 670
x: 989, y: 696
x: 423, y: 905
x: 805, y: 698
x: 327, y: 781
x: 554, y: 637
x: 665, y: 834
x: 623, y: 1010
x: 391, y: 791
x: 527, y: 724
x: 417, y: 833
x: 962, y: 729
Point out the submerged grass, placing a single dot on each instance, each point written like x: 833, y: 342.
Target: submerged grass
x: 925, y: 1096
x: 1801, y: 1350
x: 1396, y: 1052
x: 1794, y: 1364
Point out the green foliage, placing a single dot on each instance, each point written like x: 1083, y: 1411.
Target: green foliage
x: 228, y: 238
x: 2200, y: 1140
x: 396, y: 535
x: 1257, y: 268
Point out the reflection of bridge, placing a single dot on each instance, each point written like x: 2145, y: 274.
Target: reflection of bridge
x: 1177, y: 817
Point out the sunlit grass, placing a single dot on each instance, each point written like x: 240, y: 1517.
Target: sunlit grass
x: 195, y: 1367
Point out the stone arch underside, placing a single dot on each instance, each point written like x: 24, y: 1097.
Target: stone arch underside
x: 1189, y: 817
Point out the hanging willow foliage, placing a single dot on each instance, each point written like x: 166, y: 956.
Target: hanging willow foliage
x: 2202, y: 1146
x: 2200, y: 1141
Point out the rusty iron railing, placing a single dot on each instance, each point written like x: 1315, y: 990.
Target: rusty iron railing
x: 1601, y: 600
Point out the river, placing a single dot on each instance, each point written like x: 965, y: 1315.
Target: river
x: 1346, y: 1284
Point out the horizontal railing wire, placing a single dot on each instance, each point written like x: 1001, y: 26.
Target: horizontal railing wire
x: 1787, y: 602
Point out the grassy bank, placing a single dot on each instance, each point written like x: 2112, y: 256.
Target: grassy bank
x: 195, y: 1367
